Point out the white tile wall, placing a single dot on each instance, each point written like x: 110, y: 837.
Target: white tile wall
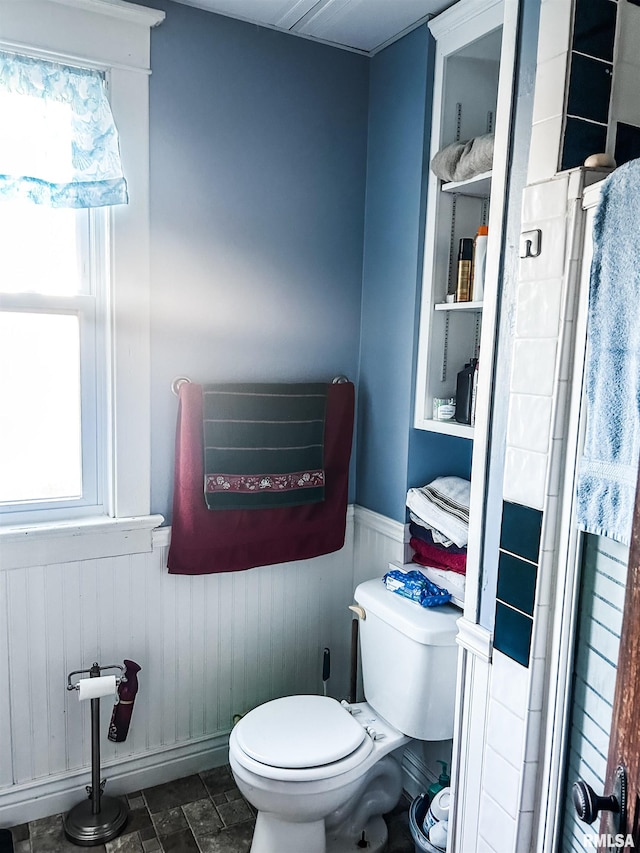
x: 550, y: 263
x: 509, y: 681
x: 625, y: 104
x: 505, y: 730
x: 553, y: 57
x: 525, y: 474
x: 534, y: 459
x: 545, y: 201
x: 555, y: 29
x: 538, y: 308
x: 534, y: 728
x: 525, y: 831
x: 628, y: 37
x: 529, y: 785
x: 529, y: 422
x: 549, y: 96
x: 533, y: 368
x: 544, y: 150
x: 502, y: 781
x: 496, y: 827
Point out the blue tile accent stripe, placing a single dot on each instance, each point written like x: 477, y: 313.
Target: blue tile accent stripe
x: 517, y: 576
x: 512, y: 634
x: 520, y: 534
x: 589, y: 84
x: 517, y: 582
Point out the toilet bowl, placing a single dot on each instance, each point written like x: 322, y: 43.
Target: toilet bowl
x: 320, y: 773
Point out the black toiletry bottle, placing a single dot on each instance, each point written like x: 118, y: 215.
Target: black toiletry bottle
x: 464, y: 392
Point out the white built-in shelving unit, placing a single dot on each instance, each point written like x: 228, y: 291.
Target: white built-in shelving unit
x: 472, y: 97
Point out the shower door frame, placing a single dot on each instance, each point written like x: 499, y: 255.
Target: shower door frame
x: 568, y: 555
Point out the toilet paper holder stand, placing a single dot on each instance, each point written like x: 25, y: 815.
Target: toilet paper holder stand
x: 99, y: 818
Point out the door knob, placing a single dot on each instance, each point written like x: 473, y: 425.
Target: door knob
x: 588, y: 804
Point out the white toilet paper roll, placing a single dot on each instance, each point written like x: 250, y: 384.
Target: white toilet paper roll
x: 94, y: 688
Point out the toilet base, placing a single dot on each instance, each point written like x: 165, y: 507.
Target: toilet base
x: 273, y: 834
x: 376, y: 835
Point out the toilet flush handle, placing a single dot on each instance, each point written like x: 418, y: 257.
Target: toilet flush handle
x: 359, y: 611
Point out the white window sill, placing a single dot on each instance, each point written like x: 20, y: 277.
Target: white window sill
x: 82, y: 539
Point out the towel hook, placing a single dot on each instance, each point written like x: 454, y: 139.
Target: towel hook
x: 177, y: 382
x: 339, y: 380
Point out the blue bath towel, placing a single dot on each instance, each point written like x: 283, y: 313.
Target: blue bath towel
x: 609, y: 467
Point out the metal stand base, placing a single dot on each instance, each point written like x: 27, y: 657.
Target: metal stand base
x: 83, y: 827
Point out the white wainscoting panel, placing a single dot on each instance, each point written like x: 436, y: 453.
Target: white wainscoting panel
x: 378, y: 540
x: 210, y: 647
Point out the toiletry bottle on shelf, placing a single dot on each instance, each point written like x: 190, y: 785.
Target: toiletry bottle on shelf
x: 464, y: 390
x: 465, y: 257
x: 479, y: 263
x: 474, y: 394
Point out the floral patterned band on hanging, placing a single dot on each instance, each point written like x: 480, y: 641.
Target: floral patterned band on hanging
x: 263, y: 483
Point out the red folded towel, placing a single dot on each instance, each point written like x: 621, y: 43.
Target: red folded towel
x: 438, y: 558
x: 203, y: 542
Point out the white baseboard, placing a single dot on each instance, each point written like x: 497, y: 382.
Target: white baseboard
x: 57, y: 794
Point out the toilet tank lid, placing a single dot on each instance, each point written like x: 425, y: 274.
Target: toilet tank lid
x: 431, y: 626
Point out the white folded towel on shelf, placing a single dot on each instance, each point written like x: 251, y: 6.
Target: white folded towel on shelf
x: 443, y: 505
x: 451, y: 581
x: 438, y: 537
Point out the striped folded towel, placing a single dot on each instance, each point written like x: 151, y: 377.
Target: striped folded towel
x: 443, y: 505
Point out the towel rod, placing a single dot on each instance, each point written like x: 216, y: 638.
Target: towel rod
x: 180, y: 380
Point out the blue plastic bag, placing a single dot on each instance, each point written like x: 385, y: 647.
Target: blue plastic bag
x: 416, y: 587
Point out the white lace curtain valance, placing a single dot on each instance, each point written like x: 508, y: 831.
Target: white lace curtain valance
x: 58, y: 140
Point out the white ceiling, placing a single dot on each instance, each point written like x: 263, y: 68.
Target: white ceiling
x: 362, y: 25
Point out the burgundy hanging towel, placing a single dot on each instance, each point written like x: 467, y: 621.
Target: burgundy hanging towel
x: 205, y: 541
x: 123, y: 709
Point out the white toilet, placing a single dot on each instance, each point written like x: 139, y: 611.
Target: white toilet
x: 322, y: 773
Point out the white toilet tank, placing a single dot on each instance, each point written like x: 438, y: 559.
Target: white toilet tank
x: 409, y: 658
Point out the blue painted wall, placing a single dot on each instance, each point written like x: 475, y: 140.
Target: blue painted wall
x: 391, y: 454
x: 258, y: 163
x: 287, y: 211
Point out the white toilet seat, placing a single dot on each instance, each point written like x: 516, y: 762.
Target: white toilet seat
x: 299, y: 731
x: 299, y: 738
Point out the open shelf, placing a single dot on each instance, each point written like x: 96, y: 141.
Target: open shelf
x: 479, y: 186
x: 448, y: 428
x: 458, y: 306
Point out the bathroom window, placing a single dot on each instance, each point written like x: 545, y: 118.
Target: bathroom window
x: 74, y: 307
x: 52, y: 360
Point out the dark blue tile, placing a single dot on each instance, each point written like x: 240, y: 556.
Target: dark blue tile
x: 627, y: 141
x: 581, y: 139
x: 594, y: 28
x: 589, y: 88
x: 517, y: 582
x: 512, y: 634
x: 520, y: 532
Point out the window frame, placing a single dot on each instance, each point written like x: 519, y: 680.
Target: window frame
x: 89, y: 306
x: 112, y: 36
